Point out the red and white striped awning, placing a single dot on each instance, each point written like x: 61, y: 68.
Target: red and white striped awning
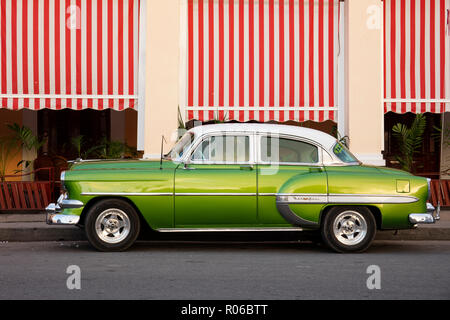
x: 262, y: 60
x: 68, y: 54
x: 417, y: 56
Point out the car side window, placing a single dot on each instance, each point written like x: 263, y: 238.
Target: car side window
x: 223, y: 149
x: 283, y: 150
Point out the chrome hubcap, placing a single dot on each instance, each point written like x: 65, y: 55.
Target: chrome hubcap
x: 112, y: 225
x: 350, y: 228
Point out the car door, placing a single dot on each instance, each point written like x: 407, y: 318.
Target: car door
x: 216, y: 187
x: 291, y: 166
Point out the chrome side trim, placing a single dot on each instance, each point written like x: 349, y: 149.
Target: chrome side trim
x: 302, y: 198
x: 127, y: 194
x: 215, y: 194
x: 293, y: 198
x: 166, y: 194
x: 255, y: 229
x: 288, y: 198
x: 370, y: 198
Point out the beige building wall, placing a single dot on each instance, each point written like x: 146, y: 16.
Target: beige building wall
x: 363, y: 76
x: 161, y: 74
x: 364, y: 79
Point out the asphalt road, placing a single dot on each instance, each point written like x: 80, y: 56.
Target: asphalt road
x: 224, y: 270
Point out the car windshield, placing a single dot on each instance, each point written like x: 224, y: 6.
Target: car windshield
x: 181, y: 146
x: 343, y: 153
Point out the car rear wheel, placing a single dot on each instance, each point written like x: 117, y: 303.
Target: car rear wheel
x: 348, y: 229
x: 112, y: 225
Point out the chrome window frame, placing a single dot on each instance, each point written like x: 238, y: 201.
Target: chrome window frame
x: 339, y: 162
x: 255, y: 150
x: 188, y: 158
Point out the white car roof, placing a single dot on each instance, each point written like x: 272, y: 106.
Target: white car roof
x: 326, y: 140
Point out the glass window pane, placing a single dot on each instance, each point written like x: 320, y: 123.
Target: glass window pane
x: 284, y: 150
x: 343, y: 154
x: 230, y: 149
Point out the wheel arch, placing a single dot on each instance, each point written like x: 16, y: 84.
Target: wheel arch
x: 96, y: 200
x: 376, y: 212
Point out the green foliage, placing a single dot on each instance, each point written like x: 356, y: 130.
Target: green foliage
x: 217, y: 119
x: 8, y: 150
x: 20, y: 137
x: 104, y: 150
x: 410, y: 141
x: 180, y: 120
x: 25, y: 137
x: 78, y: 143
x: 437, y: 135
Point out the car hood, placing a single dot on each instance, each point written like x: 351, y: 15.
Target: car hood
x: 392, y: 171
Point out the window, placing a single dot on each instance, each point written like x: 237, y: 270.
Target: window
x: 181, y: 146
x: 230, y: 149
x: 343, y: 154
x: 282, y: 150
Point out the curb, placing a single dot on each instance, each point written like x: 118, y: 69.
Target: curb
x: 33, y: 233
x: 28, y: 232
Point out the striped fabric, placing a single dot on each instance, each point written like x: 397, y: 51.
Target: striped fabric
x: 57, y: 54
x: 262, y: 60
x: 417, y: 56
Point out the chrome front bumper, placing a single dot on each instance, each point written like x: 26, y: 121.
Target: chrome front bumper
x: 432, y: 215
x: 54, y: 210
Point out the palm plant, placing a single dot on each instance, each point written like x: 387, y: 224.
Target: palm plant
x: 8, y: 150
x: 180, y: 120
x: 21, y: 137
x: 77, y: 143
x: 110, y: 150
x: 410, y: 141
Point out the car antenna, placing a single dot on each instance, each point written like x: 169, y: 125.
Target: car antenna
x: 162, y: 150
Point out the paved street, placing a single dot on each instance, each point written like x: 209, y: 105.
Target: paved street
x: 226, y: 270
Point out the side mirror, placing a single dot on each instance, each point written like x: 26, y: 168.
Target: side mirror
x: 186, y: 166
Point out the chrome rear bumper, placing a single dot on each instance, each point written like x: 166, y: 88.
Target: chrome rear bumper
x: 432, y: 215
x: 54, y: 210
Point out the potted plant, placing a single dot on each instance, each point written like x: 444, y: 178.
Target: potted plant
x: 410, y: 140
x: 21, y: 195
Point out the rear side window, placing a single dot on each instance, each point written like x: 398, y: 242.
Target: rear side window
x: 283, y: 150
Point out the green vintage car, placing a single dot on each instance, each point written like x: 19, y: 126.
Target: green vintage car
x: 243, y: 177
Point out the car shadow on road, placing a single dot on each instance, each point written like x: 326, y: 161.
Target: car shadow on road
x: 253, y: 246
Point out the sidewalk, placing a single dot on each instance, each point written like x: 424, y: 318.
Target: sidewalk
x: 32, y: 227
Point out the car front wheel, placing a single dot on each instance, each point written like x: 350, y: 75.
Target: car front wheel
x: 112, y: 225
x: 348, y: 229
